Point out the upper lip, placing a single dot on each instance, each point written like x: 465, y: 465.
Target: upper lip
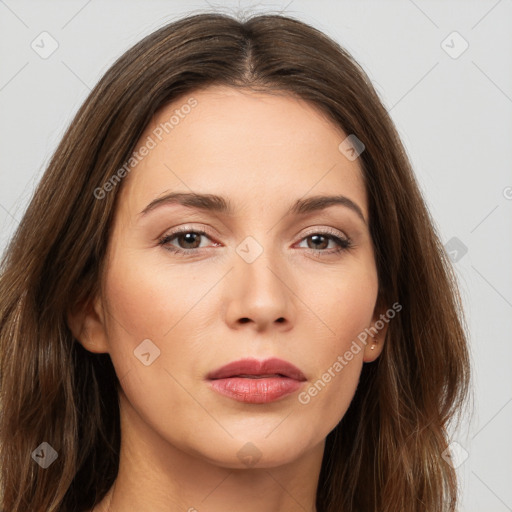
x: 255, y: 367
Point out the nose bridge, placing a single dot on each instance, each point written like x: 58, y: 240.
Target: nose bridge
x: 258, y: 263
x: 259, y: 288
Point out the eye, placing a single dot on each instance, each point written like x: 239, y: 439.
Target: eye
x: 320, y: 241
x: 189, y: 239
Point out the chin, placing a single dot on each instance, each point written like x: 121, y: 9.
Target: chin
x: 256, y: 451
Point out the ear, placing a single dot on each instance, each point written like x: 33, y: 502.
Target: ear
x: 377, y: 330
x: 87, y: 323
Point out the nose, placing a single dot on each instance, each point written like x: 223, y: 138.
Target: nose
x: 260, y: 294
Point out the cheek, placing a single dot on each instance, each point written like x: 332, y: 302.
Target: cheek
x: 163, y: 306
x: 170, y: 305
x: 149, y: 299
x: 345, y: 305
x: 346, y: 310
x: 330, y: 390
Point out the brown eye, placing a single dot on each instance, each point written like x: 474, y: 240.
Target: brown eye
x: 188, y: 241
x: 191, y: 240
x: 319, y: 242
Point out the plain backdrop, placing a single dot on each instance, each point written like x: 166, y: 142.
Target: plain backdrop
x: 442, y: 69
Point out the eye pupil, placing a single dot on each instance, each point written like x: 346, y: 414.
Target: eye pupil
x: 189, y: 238
x: 316, y: 237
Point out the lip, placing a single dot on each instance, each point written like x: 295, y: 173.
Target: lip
x: 257, y: 382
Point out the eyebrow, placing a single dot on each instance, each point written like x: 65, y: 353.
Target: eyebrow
x: 219, y: 204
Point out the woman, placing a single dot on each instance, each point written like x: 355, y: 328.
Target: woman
x: 228, y: 293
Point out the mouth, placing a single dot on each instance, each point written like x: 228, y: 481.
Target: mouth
x: 256, y: 382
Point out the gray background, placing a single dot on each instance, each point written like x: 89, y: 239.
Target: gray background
x: 452, y: 109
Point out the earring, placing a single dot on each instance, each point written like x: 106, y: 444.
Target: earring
x: 372, y: 347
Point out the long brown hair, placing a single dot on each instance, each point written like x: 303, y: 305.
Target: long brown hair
x: 386, y: 453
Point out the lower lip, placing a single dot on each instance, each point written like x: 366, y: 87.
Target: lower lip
x: 255, y: 391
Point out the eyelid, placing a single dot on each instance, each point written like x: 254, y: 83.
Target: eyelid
x: 327, y: 230
x: 186, y: 228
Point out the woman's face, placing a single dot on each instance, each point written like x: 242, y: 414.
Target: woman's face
x: 267, y: 280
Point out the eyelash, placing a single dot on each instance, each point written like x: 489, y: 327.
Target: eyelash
x: 344, y: 244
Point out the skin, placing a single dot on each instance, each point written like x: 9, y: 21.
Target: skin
x: 179, y: 438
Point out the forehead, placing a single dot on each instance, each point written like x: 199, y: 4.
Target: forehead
x: 252, y: 147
